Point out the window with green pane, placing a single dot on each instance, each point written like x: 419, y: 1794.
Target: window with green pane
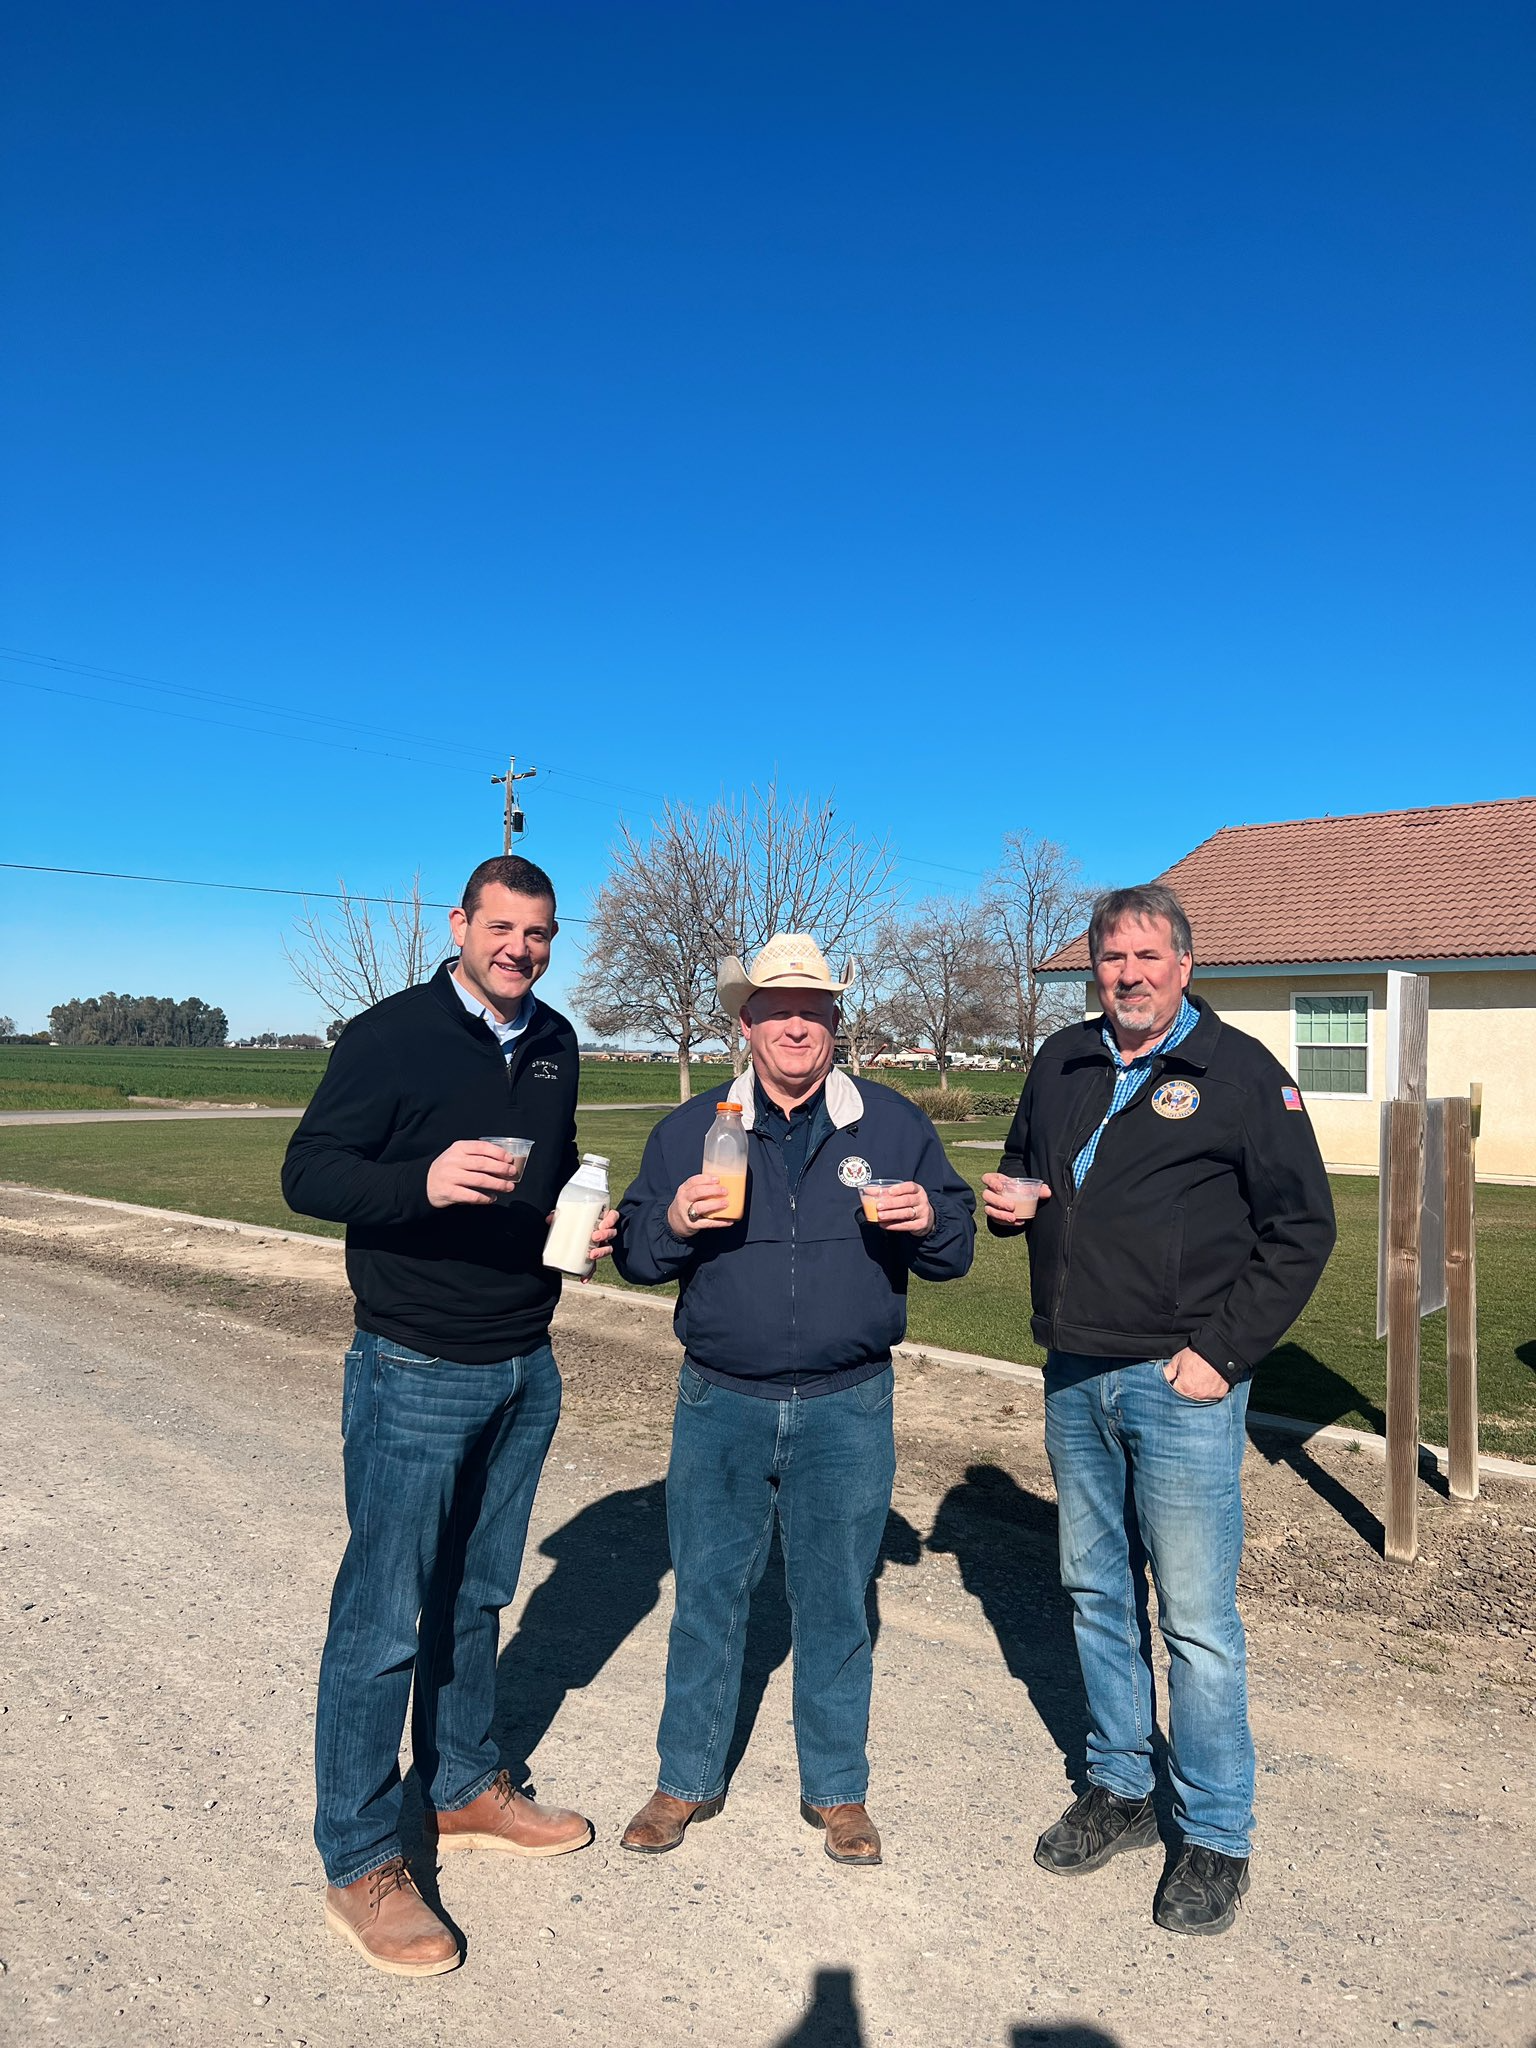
x: 1333, y: 1044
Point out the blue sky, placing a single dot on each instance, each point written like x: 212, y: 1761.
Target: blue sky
x: 1107, y: 421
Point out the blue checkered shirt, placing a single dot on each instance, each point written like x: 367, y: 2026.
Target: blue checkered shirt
x: 1129, y: 1077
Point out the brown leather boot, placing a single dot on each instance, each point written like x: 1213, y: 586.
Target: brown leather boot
x: 387, y: 1920
x: 852, y: 1836
x: 659, y: 1824
x: 503, y: 1820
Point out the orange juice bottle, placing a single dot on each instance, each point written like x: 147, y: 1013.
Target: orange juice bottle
x: 725, y: 1158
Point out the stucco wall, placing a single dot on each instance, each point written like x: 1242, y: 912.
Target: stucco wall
x: 1482, y: 1027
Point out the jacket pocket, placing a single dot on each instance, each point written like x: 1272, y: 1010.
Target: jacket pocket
x: 1175, y: 1261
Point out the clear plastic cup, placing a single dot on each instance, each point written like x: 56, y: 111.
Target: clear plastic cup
x: 869, y: 1196
x: 1026, y: 1195
x: 517, y: 1150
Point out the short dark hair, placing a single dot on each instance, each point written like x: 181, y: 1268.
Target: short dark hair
x: 512, y: 872
x: 1149, y: 900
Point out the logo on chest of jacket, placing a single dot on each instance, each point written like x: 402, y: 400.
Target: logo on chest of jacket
x: 1176, y: 1099
x: 544, y: 1070
x: 853, y: 1171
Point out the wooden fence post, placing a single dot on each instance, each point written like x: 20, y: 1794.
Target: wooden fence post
x: 1461, y: 1298
x: 1405, y: 1155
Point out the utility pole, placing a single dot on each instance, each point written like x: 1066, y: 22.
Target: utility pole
x: 512, y: 810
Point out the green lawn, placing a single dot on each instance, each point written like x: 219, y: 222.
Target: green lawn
x: 1330, y: 1369
x: 103, y: 1077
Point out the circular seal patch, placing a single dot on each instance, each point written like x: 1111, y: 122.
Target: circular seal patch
x: 853, y: 1171
x: 1176, y: 1099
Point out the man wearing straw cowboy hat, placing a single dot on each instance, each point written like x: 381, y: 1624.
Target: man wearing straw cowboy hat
x: 787, y: 1318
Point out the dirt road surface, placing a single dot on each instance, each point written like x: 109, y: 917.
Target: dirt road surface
x: 171, y: 1521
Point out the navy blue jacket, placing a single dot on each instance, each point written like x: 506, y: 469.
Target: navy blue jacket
x: 802, y: 1293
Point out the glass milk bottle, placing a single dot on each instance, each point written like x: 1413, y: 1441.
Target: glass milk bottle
x: 568, y: 1247
x: 725, y: 1158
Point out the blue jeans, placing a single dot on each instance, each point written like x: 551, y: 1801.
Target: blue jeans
x: 825, y: 1467
x: 441, y: 1464
x: 1147, y: 1477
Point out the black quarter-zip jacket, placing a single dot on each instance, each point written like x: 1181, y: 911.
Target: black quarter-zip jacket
x: 1206, y: 1218
x: 406, y: 1080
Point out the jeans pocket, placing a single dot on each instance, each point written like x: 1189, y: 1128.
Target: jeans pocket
x: 692, y: 1387
x: 874, y: 1394
x: 390, y: 1353
x: 1189, y: 1400
x: 352, y: 1370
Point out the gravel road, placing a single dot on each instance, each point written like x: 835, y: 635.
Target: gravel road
x: 171, y: 1521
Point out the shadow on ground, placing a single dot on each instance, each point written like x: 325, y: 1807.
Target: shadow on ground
x: 833, y: 2020
x: 1334, y: 1397
x: 1003, y: 1538
x: 610, y: 1560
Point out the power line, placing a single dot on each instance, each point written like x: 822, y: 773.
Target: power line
x: 62, y: 665
x: 241, y: 888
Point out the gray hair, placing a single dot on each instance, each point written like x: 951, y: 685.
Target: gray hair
x: 1150, y: 900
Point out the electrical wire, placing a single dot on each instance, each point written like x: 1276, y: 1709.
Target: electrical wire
x: 240, y: 888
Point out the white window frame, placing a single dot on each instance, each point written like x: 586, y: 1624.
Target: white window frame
x: 1334, y: 1094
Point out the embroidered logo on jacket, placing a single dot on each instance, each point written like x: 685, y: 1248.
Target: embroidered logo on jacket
x: 1176, y: 1099
x: 544, y: 1070
x: 853, y: 1171
x: 1291, y: 1097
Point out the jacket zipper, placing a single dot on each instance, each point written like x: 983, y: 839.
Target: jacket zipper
x: 794, y: 1226
x: 1070, y: 1161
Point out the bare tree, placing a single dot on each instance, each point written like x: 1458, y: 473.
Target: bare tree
x: 653, y: 944
x: 868, y: 1024
x: 1036, y: 901
x: 946, y: 974
x: 793, y: 866
x: 357, y: 952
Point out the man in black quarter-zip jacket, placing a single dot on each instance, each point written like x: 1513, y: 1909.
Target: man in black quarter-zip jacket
x: 450, y: 1399
x: 1185, y: 1221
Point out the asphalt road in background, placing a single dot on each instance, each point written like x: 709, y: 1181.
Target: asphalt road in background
x: 172, y: 1520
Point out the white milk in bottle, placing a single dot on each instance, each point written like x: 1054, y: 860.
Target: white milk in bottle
x: 568, y: 1247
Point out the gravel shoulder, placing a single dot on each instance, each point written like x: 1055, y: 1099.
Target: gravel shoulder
x: 171, y: 1521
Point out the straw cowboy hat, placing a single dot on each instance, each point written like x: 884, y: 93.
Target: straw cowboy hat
x: 789, y: 960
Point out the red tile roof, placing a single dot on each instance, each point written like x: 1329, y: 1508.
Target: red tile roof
x: 1454, y: 883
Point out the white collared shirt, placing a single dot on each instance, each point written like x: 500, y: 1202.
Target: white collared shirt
x: 507, y: 1034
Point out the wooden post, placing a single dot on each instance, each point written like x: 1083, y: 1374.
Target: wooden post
x: 1461, y: 1297
x: 1407, y: 1036
x: 1405, y: 1153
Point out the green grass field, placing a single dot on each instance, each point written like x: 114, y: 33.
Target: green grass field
x: 80, y: 1077
x: 104, y: 1077
x: 1330, y: 1369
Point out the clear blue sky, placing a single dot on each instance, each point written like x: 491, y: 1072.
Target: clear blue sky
x: 1111, y: 421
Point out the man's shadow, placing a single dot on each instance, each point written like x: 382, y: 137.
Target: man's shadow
x: 833, y: 2020
x: 1300, y: 1379
x: 768, y: 1629
x: 1004, y: 1540
x: 610, y: 1560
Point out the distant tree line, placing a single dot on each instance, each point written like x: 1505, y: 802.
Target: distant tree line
x: 137, y: 1020
x: 291, y: 1041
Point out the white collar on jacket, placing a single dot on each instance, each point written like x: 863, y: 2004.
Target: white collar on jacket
x: 845, y: 1105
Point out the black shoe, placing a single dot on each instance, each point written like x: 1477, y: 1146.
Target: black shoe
x: 1200, y: 1894
x: 1094, y: 1828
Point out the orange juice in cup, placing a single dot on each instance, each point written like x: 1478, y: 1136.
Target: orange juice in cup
x: 869, y: 1197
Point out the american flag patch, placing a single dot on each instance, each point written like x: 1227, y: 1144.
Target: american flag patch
x: 1291, y: 1097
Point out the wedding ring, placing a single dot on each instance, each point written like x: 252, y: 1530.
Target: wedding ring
x: 691, y: 1217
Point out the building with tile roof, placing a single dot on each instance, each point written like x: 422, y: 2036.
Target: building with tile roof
x: 1296, y: 926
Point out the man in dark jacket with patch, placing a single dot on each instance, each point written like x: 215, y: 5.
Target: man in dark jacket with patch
x: 450, y: 1398
x: 787, y: 1318
x: 1185, y: 1222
